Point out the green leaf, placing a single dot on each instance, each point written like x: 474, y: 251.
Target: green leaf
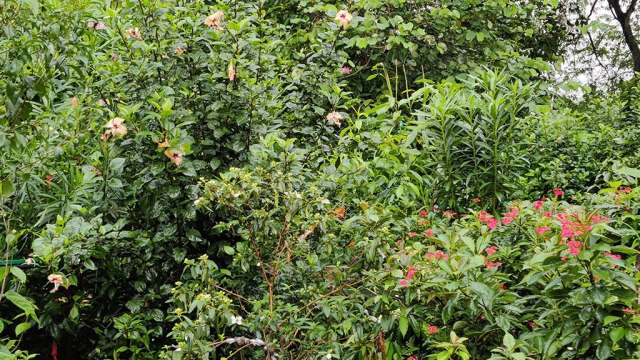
x: 22, y: 327
x: 228, y: 250
x: 17, y: 272
x: 610, y: 319
x: 74, y: 313
x: 21, y: 302
x: 6, y: 188
x: 403, y: 325
x: 485, y: 292
x: 116, y: 165
x: 617, y: 333
x: 508, y: 341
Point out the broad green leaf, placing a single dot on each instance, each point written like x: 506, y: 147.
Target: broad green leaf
x: 18, y: 273
x: 21, y: 302
x: 6, y: 188
x: 22, y: 327
x: 403, y: 325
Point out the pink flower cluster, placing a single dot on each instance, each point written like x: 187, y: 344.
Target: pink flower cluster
x: 574, y: 247
x: 411, y: 272
x: 538, y: 204
x: 508, y: 218
x: 491, y: 265
x: 542, y: 229
x: 437, y: 255
x: 487, y: 219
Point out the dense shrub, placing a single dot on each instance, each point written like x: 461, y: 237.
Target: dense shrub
x: 316, y: 274
x: 326, y: 127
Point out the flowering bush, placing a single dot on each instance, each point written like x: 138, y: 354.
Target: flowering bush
x: 546, y: 279
x: 361, y: 159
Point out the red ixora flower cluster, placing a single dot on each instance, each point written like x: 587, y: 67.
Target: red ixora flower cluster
x: 557, y: 192
x: 491, y: 250
x: 508, y: 218
x: 570, y: 229
x: 432, y: 329
x: 411, y: 272
x: 437, y: 255
x: 487, y: 219
x: 542, y: 229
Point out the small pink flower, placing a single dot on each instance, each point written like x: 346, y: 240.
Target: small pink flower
x: 432, y: 329
x: 423, y: 213
x: 625, y: 189
x: 428, y: 233
x: 134, y: 33
x: 345, y: 70
x: 96, y: 25
x: 484, y: 216
x: 344, y: 18
x: 507, y: 220
x: 56, y: 280
x: 437, y: 255
x: 404, y: 282
x: 548, y: 214
x: 558, y: 192
x: 567, y: 231
x: 175, y: 156
x: 411, y: 272
x: 492, y: 265
x: 412, y: 234
x: 214, y: 21
x: 491, y: 250
x: 334, y: 118
x: 508, y: 217
x: 613, y: 256
x: 411, y: 358
x: 574, y: 247
x: 542, y: 229
x: 116, y: 127
x: 628, y: 310
x: 538, y: 204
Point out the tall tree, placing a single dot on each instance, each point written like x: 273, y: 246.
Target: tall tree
x: 624, y: 18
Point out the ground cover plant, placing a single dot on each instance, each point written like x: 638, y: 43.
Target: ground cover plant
x: 315, y: 180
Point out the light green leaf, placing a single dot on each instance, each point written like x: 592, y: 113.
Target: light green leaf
x: 403, y: 325
x: 18, y: 273
x: 22, y: 327
x: 21, y: 302
x: 6, y: 188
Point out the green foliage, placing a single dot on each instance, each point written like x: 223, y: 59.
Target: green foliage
x: 355, y: 277
x: 292, y: 143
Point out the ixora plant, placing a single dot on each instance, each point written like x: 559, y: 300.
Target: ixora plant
x: 309, y: 275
